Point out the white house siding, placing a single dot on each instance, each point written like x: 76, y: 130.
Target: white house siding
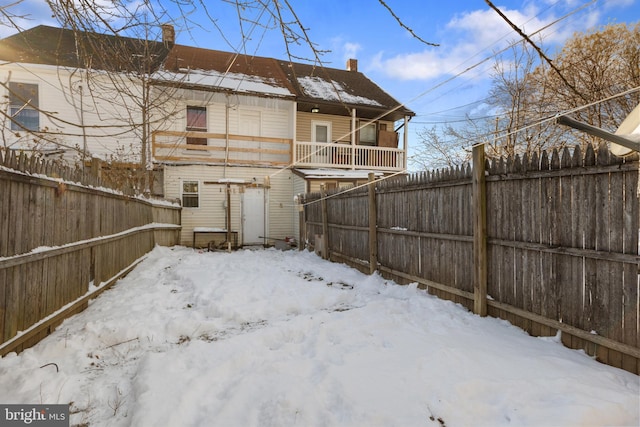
x: 245, y: 116
x: 103, y: 112
x: 274, y: 114
x: 283, y: 214
x: 212, y: 213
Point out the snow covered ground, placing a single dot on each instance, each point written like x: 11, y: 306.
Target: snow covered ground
x: 271, y: 338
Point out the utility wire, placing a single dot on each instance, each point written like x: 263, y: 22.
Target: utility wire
x: 539, y: 122
x: 444, y: 82
x: 540, y: 52
x: 571, y: 111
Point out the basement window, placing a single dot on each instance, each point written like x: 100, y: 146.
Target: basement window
x: 190, y: 194
x: 196, y: 122
x: 23, y: 101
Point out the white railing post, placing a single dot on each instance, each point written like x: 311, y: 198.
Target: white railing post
x: 353, y: 138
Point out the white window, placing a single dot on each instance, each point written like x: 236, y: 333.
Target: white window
x: 321, y: 131
x: 190, y: 194
x: 23, y: 100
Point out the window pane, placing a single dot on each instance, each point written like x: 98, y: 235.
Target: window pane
x: 190, y: 187
x: 322, y: 133
x: 368, y: 133
x: 197, y: 119
x: 190, y: 197
x: 25, y: 119
x: 196, y: 141
x: 23, y: 93
x: 189, y: 201
x: 23, y: 99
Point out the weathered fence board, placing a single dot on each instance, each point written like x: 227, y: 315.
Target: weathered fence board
x: 562, y: 242
x: 58, y: 240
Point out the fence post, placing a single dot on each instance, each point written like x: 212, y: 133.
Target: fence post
x: 302, y: 235
x: 479, y: 232
x: 96, y: 168
x: 373, y: 225
x: 325, y: 222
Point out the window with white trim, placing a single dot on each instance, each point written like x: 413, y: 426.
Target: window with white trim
x: 190, y: 194
x: 321, y: 131
x: 23, y: 105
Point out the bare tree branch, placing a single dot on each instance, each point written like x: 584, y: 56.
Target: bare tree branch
x: 540, y: 52
x: 383, y: 3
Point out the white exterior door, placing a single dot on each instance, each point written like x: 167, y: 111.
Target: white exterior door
x: 321, y: 136
x: 253, y: 218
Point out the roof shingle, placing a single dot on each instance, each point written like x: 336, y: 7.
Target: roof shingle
x: 332, y: 90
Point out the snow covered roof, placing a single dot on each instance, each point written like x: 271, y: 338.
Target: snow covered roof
x: 333, y: 91
x: 236, y: 82
x: 226, y: 71
x: 337, y: 91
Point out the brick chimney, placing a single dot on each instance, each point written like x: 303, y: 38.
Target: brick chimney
x: 352, y: 65
x: 168, y: 34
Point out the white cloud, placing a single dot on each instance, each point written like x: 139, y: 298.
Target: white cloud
x: 472, y: 36
x: 350, y: 50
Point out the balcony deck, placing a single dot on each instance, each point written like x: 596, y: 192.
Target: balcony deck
x: 171, y: 146
x: 345, y: 156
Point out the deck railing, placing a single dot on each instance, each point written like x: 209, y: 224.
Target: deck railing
x: 345, y: 156
x: 221, y: 148
x: 244, y: 149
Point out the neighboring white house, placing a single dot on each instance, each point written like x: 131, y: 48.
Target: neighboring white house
x: 234, y: 137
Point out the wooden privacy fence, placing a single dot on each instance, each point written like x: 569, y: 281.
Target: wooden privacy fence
x: 549, y: 242
x: 62, y: 243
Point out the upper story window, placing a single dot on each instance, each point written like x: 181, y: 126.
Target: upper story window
x: 321, y: 131
x: 23, y: 104
x: 368, y: 134
x: 196, y: 122
x: 190, y: 194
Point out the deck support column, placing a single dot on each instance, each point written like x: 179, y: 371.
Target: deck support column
x: 353, y: 138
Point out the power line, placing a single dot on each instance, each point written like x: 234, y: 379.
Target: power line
x: 542, y: 121
x: 535, y: 46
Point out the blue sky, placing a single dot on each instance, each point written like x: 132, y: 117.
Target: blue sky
x: 420, y: 76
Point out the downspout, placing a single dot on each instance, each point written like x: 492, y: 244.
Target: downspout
x: 294, y: 147
x: 353, y: 138
x: 405, y: 142
x: 228, y: 216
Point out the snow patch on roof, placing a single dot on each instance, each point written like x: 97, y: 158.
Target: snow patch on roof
x: 232, y: 81
x: 316, y: 87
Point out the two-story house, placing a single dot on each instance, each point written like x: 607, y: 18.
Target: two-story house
x: 234, y: 137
